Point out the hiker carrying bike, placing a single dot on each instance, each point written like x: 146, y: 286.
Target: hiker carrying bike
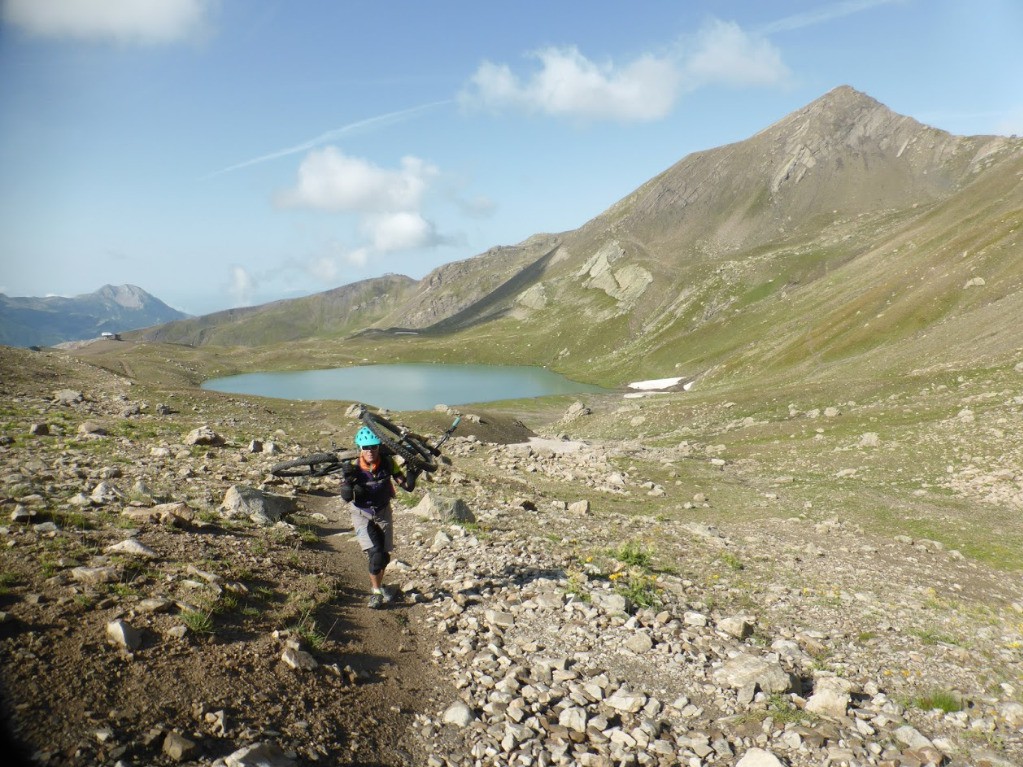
x: 368, y: 488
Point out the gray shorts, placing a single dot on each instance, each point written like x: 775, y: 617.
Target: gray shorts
x: 361, y: 524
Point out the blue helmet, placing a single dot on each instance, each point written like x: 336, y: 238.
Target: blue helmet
x: 365, y: 437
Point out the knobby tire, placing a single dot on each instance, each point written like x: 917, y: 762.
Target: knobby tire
x: 306, y: 466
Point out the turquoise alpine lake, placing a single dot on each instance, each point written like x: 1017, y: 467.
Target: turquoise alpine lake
x: 414, y: 386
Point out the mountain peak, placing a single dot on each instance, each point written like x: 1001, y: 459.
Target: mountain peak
x: 844, y: 97
x: 128, y: 296
x: 847, y: 116
x: 113, y: 308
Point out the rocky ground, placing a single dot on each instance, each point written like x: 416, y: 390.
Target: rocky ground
x: 564, y: 601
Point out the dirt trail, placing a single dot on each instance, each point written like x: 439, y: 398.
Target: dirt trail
x: 383, y: 645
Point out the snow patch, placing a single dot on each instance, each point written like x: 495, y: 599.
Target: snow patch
x: 660, y: 383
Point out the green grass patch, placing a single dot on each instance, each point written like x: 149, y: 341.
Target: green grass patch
x: 731, y: 561
x: 307, y: 629
x: 7, y: 582
x: 931, y: 637
x: 948, y: 701
x: 307, y: 535
x: 576, y: 586
x: 124, y: 590
x: 198, y: 622
x: 638, y: 587
x: 633, y: 554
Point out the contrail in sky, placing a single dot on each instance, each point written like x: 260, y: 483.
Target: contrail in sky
x: 821, y: 15
x: 323, y: 138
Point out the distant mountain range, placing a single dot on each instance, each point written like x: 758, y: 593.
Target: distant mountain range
x: 52, y: 320
x: 844, y: 239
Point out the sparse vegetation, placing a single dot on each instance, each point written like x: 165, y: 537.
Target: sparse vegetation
x: 640, y: 588
x: 948, y: 701
x: 198, y: 622
x: 633, y: 554
x: 7, y: 580
x: 306, y: 628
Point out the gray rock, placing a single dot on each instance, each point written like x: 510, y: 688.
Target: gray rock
x: 639, y: 643
x: 259, y: 755
x: 92, y: 429
x: 173, y: 514
x: 629, y: 702
x: 577, y: 409
x: 243, y: 501
x: 154, y: 605
x: 131, y: 547
x: 120, y: 633
x: 68, y: 397
x: 737, y: 627
x: 105, y: 492
x: 1012, y: 713
x: 573, y: 718
x: 611, y: 602
x: 94, y: 575
x: 758, y: 757
x: 830, y: 697
x: 499, y: 618
x: 204, y: 435
x: 179, y: 748
x: 459, y: 714
x: 298, y: 659
x: 436, y: 507
x: 21, y: 514
x: 745, y: 670
x: 911, y: 737
x: 579, y: 508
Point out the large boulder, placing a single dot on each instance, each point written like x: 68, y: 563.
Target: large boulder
x: 444, y: 509
x: 242, y: 501
x: 204, y: 435
x: 749, y: 670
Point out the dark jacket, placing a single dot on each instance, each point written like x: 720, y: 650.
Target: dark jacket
x: 371, y: 490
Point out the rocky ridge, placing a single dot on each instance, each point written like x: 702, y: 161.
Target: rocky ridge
x: 547, y: 628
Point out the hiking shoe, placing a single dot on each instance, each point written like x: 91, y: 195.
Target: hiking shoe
x: 376, y: 601
x: 390, y: 594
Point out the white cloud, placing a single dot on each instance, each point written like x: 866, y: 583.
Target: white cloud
x: 400, y: 230
x: 125, y: 21
x: 241, y: 287
x: 387, y: 203
x: 728, y: 55
x: 569, y: 84
x: 332, y: 181
x: 335, y: 266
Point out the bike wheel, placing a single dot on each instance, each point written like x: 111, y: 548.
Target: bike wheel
x: 306, y: 466
x: 412, y: 448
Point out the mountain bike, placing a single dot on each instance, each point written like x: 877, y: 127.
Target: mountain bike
x: 419, y: 454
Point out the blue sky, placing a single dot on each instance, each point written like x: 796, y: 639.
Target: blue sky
x: 222, y: 153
